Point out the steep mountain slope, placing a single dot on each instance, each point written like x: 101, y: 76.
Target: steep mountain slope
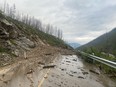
x: 16, y: 38
x: 104, y: 43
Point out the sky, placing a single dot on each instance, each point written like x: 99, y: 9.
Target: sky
x: 80, y: 20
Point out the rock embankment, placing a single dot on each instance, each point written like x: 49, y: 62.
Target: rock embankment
x: 14, y: 41
x: 16, y: 38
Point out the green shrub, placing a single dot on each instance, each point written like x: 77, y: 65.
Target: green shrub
x: 2, y: 49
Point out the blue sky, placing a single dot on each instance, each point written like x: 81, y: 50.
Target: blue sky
x: 80, y: 20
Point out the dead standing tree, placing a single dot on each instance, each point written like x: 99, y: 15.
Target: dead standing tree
x: 31, y: 21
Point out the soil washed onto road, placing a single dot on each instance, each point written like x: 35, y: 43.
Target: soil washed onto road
x: 69, y: 71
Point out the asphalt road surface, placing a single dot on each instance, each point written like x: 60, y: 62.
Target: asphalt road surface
x: 70, y: 71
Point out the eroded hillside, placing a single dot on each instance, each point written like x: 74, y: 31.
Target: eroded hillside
x: 17, y: 38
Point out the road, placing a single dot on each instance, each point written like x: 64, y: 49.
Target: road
x: 70, y: 71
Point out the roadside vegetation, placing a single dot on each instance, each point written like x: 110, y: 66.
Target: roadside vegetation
x: 105, y: 47
x: 106, y: 69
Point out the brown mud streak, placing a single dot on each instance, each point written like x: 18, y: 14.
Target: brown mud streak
x: 33, y: 60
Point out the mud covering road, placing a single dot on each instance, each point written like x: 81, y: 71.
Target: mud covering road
x: 71, y: 72
x: 68, y: 72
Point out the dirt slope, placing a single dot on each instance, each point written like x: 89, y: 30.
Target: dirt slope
x: 35, y: 58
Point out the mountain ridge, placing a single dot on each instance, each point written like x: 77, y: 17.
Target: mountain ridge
x: 105, y: 42
x: 74, y: 45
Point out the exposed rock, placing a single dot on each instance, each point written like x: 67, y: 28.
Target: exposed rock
x: 9, y: 45
x: 3, y: 34
x: 48, y: 54
x: 93, y: 71
x: 73, y: 72
x: 68, y: 61
x: 111, y: 55
x: 25, y: 43
x: 6, y: 22
x: 30, y: 71
x: 41, y: 63
x: 6, y: 82
x: 84, y: 73
x: 81, y: 77
x: 9, y: 29
x: 71, y: 75
x: 16, y: 52
x: 4, y: 57
x: 63, y: 69
x: 12, y: 38
x: 74, y: 59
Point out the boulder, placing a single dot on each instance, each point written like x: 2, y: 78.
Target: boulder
x: 3, y: 34
x: 9, y: 29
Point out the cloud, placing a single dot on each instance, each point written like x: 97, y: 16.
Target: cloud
x: 80, y: 20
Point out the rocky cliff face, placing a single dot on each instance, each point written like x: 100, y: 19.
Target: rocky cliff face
x: 11, y: 37
x: 14, y: 41
x: 16, y: 38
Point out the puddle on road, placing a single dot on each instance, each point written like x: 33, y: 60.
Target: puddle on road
x: 71, y: 72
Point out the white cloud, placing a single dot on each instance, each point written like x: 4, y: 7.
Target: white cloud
x: 80, y: 20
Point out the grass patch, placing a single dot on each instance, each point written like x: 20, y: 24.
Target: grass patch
x: 2, y: 50
x: 96, y: 52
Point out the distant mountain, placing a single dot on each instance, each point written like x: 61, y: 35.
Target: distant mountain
x: 105, y: 42
x: 74, y: 45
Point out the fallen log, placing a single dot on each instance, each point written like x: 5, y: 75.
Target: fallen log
x: 94, y: 72
x: 30, y: 71
x: 49, y: 66
x: 48, y: 54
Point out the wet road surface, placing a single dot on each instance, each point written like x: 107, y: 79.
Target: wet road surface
x: 70, y: 72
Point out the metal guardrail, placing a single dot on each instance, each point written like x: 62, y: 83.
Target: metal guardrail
x: 99, y: 59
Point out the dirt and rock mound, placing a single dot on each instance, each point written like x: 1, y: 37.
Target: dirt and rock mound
x: 17, y: 38
x: 23, y: 49
x: 13, y: 42
x: 33, y: 62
